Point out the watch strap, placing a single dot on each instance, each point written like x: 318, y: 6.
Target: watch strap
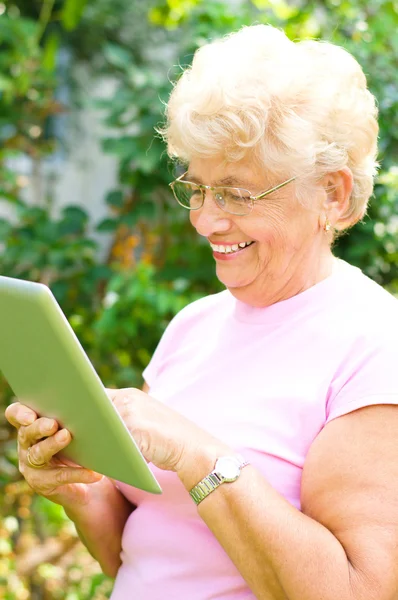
x: 211, y: 482
x: 205, y: 487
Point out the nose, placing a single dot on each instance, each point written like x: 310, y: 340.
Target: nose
x: 210, y: 219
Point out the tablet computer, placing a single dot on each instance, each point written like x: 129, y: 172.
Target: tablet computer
x: 48, y: 370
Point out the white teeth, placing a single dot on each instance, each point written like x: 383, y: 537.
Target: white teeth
x: 228, y: 249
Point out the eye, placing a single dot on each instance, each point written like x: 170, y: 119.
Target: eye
x: 238, y: 196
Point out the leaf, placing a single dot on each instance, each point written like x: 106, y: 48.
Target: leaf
x: 75, y: 211
x: 130, y: 219
x: 117, y: 56
x: 107, y: 225
x: 5, y: 228
x: 146, y: 210
x: 72, y: 13
x: 6, y: 83
x: 74, y: 220
x: 115, y: 198
x: 50, y: 51
x: 124, y: 146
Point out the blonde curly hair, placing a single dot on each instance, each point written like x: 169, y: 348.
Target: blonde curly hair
x: 298, y: 108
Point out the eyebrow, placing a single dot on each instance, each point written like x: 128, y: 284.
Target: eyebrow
x: 229, y: 180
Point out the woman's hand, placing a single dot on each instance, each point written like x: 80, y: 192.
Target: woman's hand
x: 57, y: 480
x: 166, y: 438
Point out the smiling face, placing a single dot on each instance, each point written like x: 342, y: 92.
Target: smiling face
x: 275, y: 252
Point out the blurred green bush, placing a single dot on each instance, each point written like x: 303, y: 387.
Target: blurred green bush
x: 120, y: 304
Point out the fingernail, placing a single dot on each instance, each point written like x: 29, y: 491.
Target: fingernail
x: 61, y: 435
x: 28, y: 418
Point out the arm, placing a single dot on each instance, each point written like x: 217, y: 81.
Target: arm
x: 344, y: 545
x: 100, y: 522
x: 88, y: 498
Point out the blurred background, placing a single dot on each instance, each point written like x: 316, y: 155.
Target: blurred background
x: 85, y: 206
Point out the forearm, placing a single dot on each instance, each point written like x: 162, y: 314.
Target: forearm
x: 100, y: 524
x: 280, y: 552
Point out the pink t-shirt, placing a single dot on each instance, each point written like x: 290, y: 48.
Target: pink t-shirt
x: 265, y: 381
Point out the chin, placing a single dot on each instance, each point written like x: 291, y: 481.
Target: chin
x: 234, y: 283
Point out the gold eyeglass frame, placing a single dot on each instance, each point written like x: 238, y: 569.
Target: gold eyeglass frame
x: 203, y: 188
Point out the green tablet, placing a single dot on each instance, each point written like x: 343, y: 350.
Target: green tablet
x: 48, y: 370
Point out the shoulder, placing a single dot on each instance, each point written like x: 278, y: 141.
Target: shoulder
x: 368, y: 318
x: 365, y: 336
x: 365, y: 306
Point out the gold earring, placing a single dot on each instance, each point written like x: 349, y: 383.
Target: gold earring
x: 327, y: 227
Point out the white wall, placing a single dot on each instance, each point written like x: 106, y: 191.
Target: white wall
x: 80, y: 174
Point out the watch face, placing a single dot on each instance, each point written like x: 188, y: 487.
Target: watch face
x: 228, y: 468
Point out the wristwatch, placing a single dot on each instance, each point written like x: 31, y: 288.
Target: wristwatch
x: 227, y: 469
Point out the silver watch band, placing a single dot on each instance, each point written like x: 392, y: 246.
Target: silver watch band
x: 205, y: 487
x: 211, y: 482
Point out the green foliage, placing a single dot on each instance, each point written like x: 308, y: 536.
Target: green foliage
x: 72, y: 13
x: 368, y: 31
x: 41, y: 248
x: 26, y: 99
x: 136, y: 311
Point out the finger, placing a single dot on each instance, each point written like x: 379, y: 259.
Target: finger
x: 18, y: 414
x: 43, y: 452
x: 49, y: 481
x: 67, y: 461
x: 43, y: 427
x: 65, y: 475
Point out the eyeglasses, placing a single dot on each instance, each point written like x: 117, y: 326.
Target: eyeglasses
x: 233, y: 200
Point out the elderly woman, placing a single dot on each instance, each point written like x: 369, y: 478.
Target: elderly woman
x: 269, y: 410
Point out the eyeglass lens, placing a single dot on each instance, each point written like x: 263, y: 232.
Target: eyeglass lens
x: 233, y: 200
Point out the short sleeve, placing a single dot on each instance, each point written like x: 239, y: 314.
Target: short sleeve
x: 368, y: 376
